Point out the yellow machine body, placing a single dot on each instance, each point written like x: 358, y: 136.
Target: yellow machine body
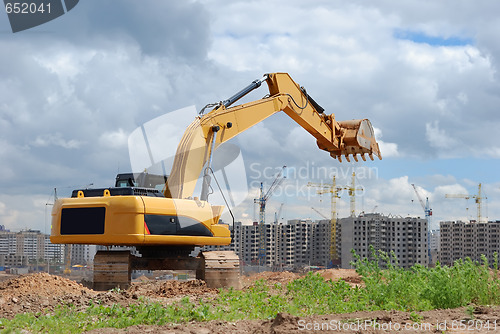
x: 137, y: 221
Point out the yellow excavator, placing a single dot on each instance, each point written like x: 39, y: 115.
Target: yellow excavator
x: 165, y: 226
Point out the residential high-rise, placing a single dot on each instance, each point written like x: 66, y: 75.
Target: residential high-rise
x: 302, y: 243
x: 460, y: 240
x: 405, y: 237
x: 296, y: 244
x: 434, y: 245
x: 19, y: 248
x: 82, y: 254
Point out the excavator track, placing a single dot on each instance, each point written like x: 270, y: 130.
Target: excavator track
x: 222, y: 269
x: 113, y: 269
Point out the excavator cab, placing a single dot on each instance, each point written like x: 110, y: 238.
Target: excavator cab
x: 143, y: 180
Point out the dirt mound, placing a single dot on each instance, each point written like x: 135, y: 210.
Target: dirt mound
x: 282, y: 277
x: 348, y: 275
x: 41, y: 284
x: 142, y: 279
x: 40, y: 292
x: 169, y: 289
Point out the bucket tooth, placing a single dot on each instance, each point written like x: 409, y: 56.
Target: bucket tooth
x: 347, y: 158
x: 371, y: 156
x: 363, y: 157
x: 358, y: 137
x: 355, y: 157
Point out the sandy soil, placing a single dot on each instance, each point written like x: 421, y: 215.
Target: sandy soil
x: 42, y: 293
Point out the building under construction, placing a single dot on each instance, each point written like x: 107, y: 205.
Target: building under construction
x: 405, y: 237
x: 460, y: 240
x: 303, y: 243
x: 290, y: 246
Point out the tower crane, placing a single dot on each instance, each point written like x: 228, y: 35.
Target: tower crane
x: 319, y: 212
x: 426, y: 207
x: 428, y: 214
x: 262, y: 201
x: 352, y: 194
x: 276, y: 256
x: 333, y: 190
x: 278, y: 214
x: 478, y: 198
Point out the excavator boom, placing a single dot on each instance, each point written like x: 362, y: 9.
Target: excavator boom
x: 340, y: 139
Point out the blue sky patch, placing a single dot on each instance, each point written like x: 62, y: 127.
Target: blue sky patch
x: 420, y: 37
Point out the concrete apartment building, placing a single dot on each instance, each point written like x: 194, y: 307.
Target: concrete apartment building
x: 406, y: 237
x: 460, y: 240
x: 300, y: 243
x: 296, y: 244
x: 435, y: 246
x: 82, y: 254
x: 18, y: 248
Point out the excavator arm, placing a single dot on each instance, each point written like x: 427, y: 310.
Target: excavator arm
x: 207, y: 132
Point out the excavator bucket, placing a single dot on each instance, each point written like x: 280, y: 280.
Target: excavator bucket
x: 357, y: 137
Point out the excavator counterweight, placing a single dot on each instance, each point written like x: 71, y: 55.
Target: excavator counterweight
x: 165, y: 226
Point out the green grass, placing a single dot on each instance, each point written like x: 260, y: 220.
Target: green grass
x: 420, y: 288
x: 386, y: 287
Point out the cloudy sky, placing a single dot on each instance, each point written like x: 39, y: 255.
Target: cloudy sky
x: 424, y: 72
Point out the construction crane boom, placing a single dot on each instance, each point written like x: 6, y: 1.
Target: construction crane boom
x: 278, y: 213
x: 319, y: 212
x: 333, y: 190
x: 352, y: 194
x: 262, y: 200
x: 428, y: 214
x: 418, y: 196
x: 478, y: 199
x: 425, y: 206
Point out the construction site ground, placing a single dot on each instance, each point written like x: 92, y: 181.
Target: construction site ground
x: 42, y: 292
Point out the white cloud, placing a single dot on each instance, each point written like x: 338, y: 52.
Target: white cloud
x: 66, y: 62
x: 260, y: 141
x: 454, y: 189
x: 439, y: 138
x: 114, y: 139
x: 387, y: 149
x: 25, y: 211
x: 56, y: 139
